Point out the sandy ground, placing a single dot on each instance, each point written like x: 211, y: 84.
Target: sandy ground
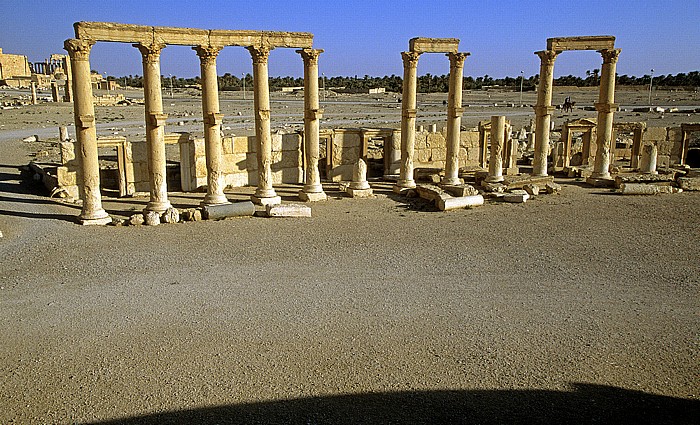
x: 580, y: 307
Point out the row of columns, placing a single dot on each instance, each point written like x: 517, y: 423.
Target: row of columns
x: 89, y: 177
x: 408, y: 119
x: 605, y: 107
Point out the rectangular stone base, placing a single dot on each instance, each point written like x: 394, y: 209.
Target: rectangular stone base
x: 447, y: 204
x: 600, y: 182
x: 312, y: 197
x: 390, y: 177
x: 359, y: 193
x: 288, y: 210
x: 266, y: 201
x: 96, y: 221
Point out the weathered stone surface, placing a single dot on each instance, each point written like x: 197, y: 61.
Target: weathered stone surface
x: 689, y: 183
x: 192, y: 214
x: 136, y: 220
x: 313, y: 196
x: 431, y: 192
x: 288, y: 210
x: 118, y: 222
x: 236, y: 209
x: 515, y: 198
x: 646, y: 189
x: 600, y: 182
x: 359, y: 193
x: 642, y: 178
x: 171, y: 215
x: 493, y: 187
x: 273, y: 200
x: 151, y: 218
x: 460, y: 202
x: 552, y: 188
x: 460, y: 190
x: 532, y: 189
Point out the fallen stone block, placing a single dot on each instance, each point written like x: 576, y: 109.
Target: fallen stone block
x: 136, y: 220
x: 600, y: 182
x: 493, y: 187
x: 643, y: 178
x: 359, y: 193
x: 552, y: 188
x: 646, y: 189
x: 460, y: 190
x: 460, y: 202
x: 431, y: 192
x: 516, y: 197
x: 689, y: 183
x: 118, y: 222
x: 192, y: 214
x: 532, y: 189
x: 221, y: 211
x: 151, y: 218
x: 171, y: 215
x: 288, y: 210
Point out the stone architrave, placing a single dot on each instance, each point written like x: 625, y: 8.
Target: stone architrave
x: 408, y: 121
x: 155, y: 127
x: 264, y: 194
x: 212, y: 125
x: 543, y: 111
x: 498, y: 124
x: 86, y: 134
x: 606, y: 107
x: 454, y: 118
x: 312, y: 190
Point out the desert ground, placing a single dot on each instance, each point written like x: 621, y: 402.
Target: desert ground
x: 579, y: 307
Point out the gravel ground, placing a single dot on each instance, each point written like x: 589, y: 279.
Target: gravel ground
x: 580, y: 307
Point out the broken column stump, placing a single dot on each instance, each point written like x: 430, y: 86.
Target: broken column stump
x: 235, y: 209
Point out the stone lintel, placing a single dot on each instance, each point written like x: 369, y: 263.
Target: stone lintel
x: 146, y: 34
x: 433, y: 45
x: 158, y: 119
x: 595, y: 42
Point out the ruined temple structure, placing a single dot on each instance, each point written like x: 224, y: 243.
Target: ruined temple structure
x: 207, y: 44
x: 605, y: 106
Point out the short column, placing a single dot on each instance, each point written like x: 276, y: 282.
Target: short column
x: 54, y: 92
x: 647, y: 163
x: 212, y: 125
x: 264, y: 194
x: 86, y: 134
x: 606, y: 108
x: 454, y: 118
x: 33, y: 88
x: 543, y: 111
x: 312, y: 191
x: 155, y: 127
x: 408, y: 121
x: 498, y: 128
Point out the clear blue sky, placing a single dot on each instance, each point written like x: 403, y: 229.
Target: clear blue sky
x: 365, y: 37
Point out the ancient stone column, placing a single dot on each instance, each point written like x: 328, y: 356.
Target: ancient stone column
x: 647, y: 162
x: 68, y: 96
x: 454, y: 118
x: 408, y: 121
x: 33, y: 86
x: 212, y: 124
x: 312, y: 191
x: 54, y: 92
x: 86, y: 134
x: 155, y: 127
x: 543, y: 111
x: 264, y: 194
x: 605, y: 107
x: 498, y: 128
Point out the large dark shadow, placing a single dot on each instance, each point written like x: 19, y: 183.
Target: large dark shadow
x: 585, y: 404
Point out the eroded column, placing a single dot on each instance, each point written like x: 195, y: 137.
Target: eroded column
x: 454, y: 118
x: 155, y: 127
x: 408, y: 121
x: 212, y: 125
x: 543, y: 111
x: 33, y: 88
x: 264, y: 194
x: 86, y: 134
x: 312, y: 191
x: 498, y: 129
x: 606, y: 108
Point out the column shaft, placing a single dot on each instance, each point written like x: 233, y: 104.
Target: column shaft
x: 606, y: 108
x: 543, y: 111
x: 155, y: 127
x: 261, y: 103
x: 454, y: 118
x: 408, y: 121
x: 86, y: 134
x: 498, y: 128
x: 312, y: 116
x: 212, y: 125
x: 33, y: 87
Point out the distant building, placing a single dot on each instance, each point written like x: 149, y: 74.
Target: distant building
x: 14, y: 70
x: 377, y: 90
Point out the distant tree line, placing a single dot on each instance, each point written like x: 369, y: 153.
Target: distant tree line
x: 426, y: 83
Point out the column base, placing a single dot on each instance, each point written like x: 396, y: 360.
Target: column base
x: 539, y: 175
x: 312, y: 196
x: 451, y: 181
x: 405, y: 184
x: 158, y: 206
x: 265, y: 201
x: 359, y: 193
x: 99, y: 218
x: 597, y: 175
x: 494, y: 179
x: 214, y: 199
x: 390, y: 177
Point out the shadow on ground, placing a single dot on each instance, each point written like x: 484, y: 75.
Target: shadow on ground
x: 585, y: 404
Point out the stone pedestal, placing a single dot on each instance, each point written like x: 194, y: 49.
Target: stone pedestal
x: 647, y: 163
x: 212, y: 125
x: 155, y: 127
x: 498, y: 127
x: 408, y: 122
x: 454, y: 118
x: 312, y: 191
x: 605, y: 107
x: 359, y: 187
x: 86, y: 134
x: 543, y: 111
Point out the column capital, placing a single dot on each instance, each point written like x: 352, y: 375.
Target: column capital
x: 547, y: 56
x: 207, y: 54
x: 410, y: 59
x: 78, y: 49
x: 151, y: 52
x: 260, y: 53
x: 310, y: 56
x: 457, y: 59
x: 610, y: 55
